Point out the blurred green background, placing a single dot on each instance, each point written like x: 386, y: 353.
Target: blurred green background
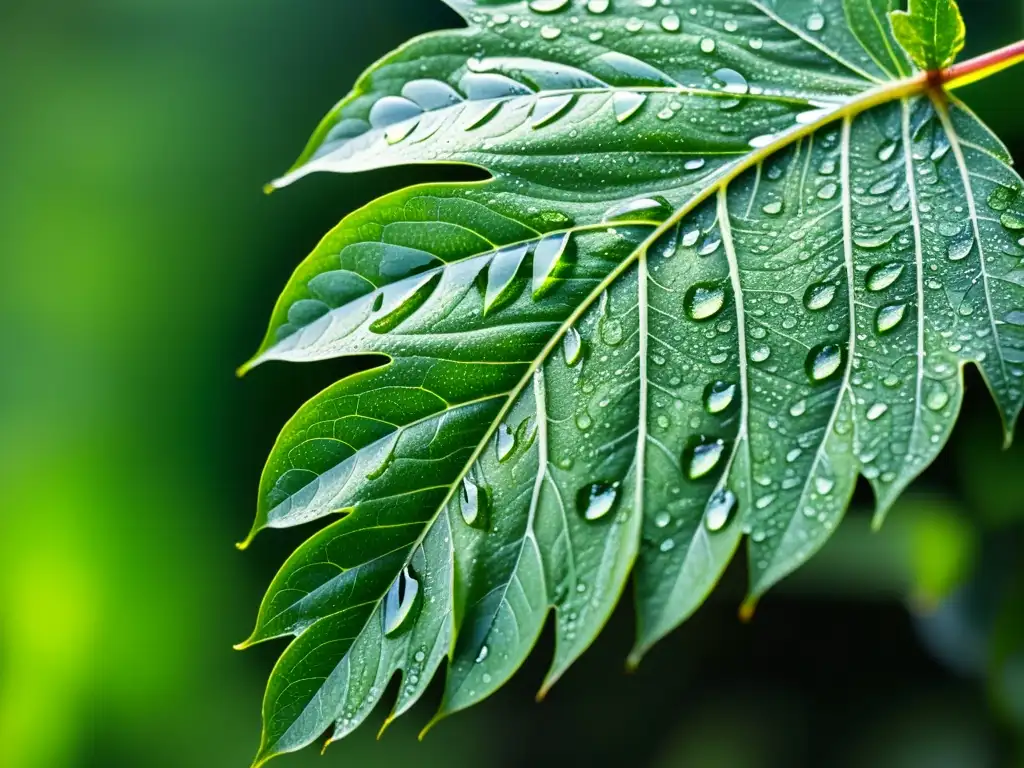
x: 138, y: 264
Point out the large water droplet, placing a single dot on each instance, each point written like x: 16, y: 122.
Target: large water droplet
x: 548, y: 6
x: 550, y: 108
x: 502, y: 271
x: 819, y: 296
x: 816, y: 22
x: 572, y: 347
x: 474, y: 504
x: 882, y: 276
x: 702, y: 456
x: 824, y: 362
x: 401, y: 603
x: 720, y: 510
x: 704, y: 300
x: 646, y: 209
x: 596, y: 500
x: 889, y: 317
x: 612, y: 332
x: 961, y: 246
x: 937, y: 398
x: 877, y: 411
x: 626, y: 104
x: 547, y: 258
x: 719, y: 396
x: 505, y: 442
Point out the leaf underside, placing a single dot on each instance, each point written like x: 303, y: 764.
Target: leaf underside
x: 724, y: 266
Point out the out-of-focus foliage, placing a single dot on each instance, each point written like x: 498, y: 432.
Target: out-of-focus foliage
x: 137, y: 257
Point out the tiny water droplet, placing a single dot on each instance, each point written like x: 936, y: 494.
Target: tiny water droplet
x: 596, y: 500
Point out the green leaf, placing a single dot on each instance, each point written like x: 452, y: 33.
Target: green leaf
x: 727, y: 262
x: 932, y: 32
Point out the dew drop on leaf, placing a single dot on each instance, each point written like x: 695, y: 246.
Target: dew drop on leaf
x: 702, y: 456
x: 548, y: 6
x: 824, y: 362
x: 889, y: 317
x: 505, y: 442
x: 401, y: 602
x: 572, y: 347
x: 474, y: 504
x: 882, y: 276
x: 596, y: 500
x: 720, y: 510
x: 819, y: 296
x: 704, y: 300
x: 718, y: 396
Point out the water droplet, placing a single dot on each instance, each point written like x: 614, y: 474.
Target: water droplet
x: 732, y: 81
x: 547, y: 258
x: 548, y: 6
x: 1015, y: 317
x: 667, y: 545
x: 828, y: 191
x: 401, y: 603
x: 704, y: 300
x: 816, y: 22
x: 572, y: 347
x: 598, y: 6
x: 481, y: 656
x: 720, y: 510
x: 773, y: 208
x: 695, y: 165
x: 502, y: 271
x: 761, y: 353
x: 824, y: 485
x: 505, y: 442
x: 882, y: 276
x: 702, y: 456
x: 662, y: 519
x: 474, y: 504
x: 1012, y: 220
x: 937, y: 398
x: 819, y: 296
x: 707, y: 45
x: 550, y: 33
x: 961, y: 246
x: 889, y: 317
x: 550, y: 108
x: 886, y: 151
x: 719, y: 396
x: 824, y: 361
x: 877, y: 411
x: 595, y: 501
x: 646, y: 209
x: 626, y: 104
x: 584, y: 422
x: 671, y: 23
x: 612, y: 333
x: 799, y: 408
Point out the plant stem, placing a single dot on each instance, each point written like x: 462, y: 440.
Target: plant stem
x: 979, y: 68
